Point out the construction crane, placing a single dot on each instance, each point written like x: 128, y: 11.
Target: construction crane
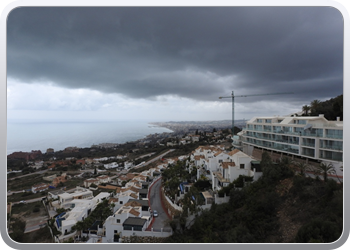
x: 233, y: 104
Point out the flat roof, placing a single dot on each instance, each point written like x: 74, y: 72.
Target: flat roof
x: 134, y: 221
x: 142, y: 202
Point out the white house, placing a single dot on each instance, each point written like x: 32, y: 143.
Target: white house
x: 88, y: 182
x: 40, y: 187
x: 103, y: 179
x: 80, y: 209
x: 111, y: 165
x: 121, y: 220
x: 128, y: 165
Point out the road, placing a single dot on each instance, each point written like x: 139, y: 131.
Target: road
x: 21, y: 176
x: 156, y: 158
x: 155, y: 202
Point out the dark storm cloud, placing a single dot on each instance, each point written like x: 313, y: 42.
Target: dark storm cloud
x: 195, y: 52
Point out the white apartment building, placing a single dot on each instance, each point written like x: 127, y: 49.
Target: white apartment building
x: 309, y: 137
x: 80, y: 209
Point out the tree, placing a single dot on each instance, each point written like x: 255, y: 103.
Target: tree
x: 18, y: 226
x: 325, y: 169
x: 302, y: 167
x: 79, y: 226
x: 315, y: 105
x: 306, y: 109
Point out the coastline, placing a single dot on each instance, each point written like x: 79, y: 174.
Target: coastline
x: 81, y: 135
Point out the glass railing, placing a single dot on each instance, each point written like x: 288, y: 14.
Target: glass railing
x: 308, y: 144
x: 279, y: 147
x: 312, y: 134
x: 334, y: 136
x: 333, y: 158
x: 309, y: 154
x: 331, y: 147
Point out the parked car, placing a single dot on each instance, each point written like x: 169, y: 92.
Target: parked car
x: 155, y: 213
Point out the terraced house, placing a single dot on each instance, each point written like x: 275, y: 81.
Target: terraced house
x: 221, y: 167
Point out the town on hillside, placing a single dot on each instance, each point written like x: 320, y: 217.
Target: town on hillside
x: 153, y: 189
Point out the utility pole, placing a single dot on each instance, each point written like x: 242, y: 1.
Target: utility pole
x: 233, y: 104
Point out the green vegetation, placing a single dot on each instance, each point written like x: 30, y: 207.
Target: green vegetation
x: 260, y: 212
x: 331, y: 108
x: 28, y: 208
x: 17, y: 227
x: 101, y: 213
x: 173, y: 175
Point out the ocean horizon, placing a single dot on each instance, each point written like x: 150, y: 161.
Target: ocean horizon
x: 27, y: 135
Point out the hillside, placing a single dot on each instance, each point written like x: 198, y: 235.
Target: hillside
x: 331, y: 108
x: 281, y: 207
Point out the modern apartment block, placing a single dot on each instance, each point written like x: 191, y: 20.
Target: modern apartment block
x: 307, y: 137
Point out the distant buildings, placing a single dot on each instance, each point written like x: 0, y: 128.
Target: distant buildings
x: 33, y: 155
x: 50, y: 151
x: 40, y: 187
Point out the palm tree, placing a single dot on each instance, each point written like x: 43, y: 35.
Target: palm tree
x: 314, y: 106
x: 302, y: 167
x: 79, y: 226
x: 306, y: 109
x: 326, y: 169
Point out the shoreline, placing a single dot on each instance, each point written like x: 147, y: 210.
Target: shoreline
x: 43, y: 151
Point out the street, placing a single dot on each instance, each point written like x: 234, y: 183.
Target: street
x: 162, y: 221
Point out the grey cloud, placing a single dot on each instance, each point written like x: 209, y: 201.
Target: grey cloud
x: 149, y: 52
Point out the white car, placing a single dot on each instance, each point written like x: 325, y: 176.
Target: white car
x: 155, y: 213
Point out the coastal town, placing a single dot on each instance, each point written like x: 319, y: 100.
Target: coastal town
x: 169, y: 125
x: 71, y: 181
x: 150, y: 189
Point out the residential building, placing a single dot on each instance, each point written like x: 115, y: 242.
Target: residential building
x: 40, y: 188
x: 103, y: 178
x: 80, y: 209
x: 312, y: 138
x: 88, y: 182
x: 126, y: 218
x: 221, y: 167
x: 78, y: 194
x: 50, y: 151
x: 59, y: 179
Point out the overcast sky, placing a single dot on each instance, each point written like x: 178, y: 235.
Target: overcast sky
x: 162, y: 64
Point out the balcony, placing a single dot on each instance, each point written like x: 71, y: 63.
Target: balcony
x: 310, y: 154
x: 331, y: 155
x: 311, y: 134
x: 340, y: 148
x: 334, y: 136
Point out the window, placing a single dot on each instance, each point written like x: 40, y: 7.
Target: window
x: 121, y: 202
x: 299, y: 121
x: 241, y: 166
x: 118, y: 221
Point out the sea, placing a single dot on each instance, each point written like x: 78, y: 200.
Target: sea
x: 26, y: 136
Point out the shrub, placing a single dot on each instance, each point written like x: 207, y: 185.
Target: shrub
x: 318, y: 230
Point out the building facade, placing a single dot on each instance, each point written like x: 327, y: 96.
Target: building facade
x: 308, y: 137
